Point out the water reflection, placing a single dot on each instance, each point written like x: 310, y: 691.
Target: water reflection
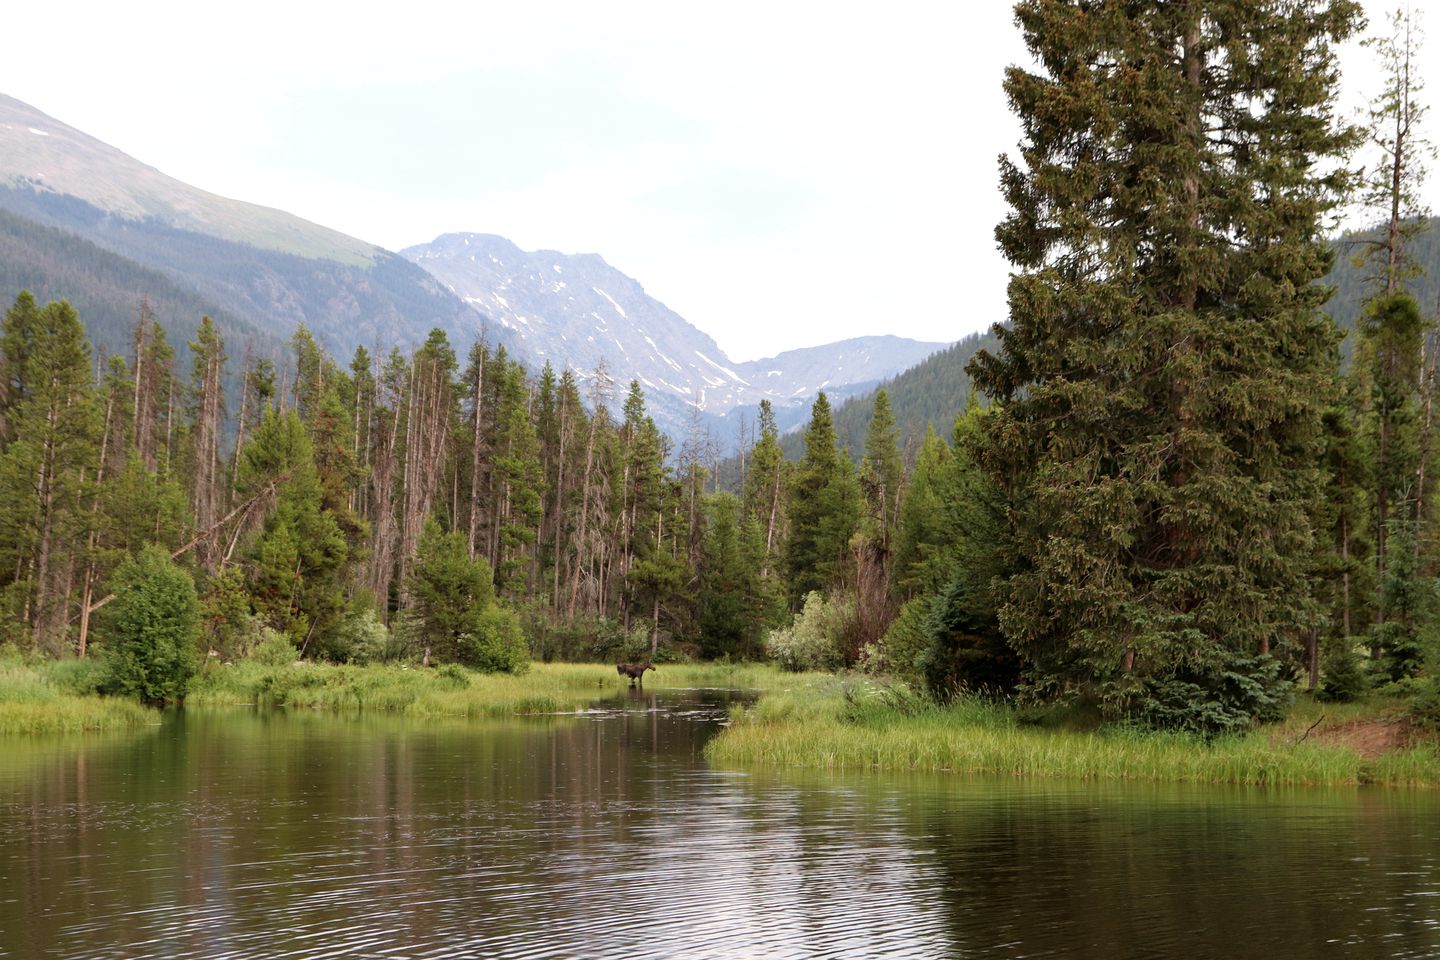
x: 604, y: 834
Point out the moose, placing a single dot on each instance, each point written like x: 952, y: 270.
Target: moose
x: 635, y: 671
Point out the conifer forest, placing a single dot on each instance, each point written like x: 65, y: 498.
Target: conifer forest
x: 1174, y: 491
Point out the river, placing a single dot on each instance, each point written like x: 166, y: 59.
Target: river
x: 243, y: 834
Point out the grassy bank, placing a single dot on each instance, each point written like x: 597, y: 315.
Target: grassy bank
x: 453, y: 691
x: 855, y: 725
x: 58, y: 697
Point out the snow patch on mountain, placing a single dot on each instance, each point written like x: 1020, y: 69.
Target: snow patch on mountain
x: 599, y: 315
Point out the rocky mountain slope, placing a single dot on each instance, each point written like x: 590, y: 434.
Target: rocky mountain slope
x: 262, y: 266
x: 85, y: 220
x: 579, y: 311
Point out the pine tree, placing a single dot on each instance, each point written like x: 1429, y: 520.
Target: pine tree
x: 450, y: 591
x: 1161, y: 379
x: 45, y: 473
x: 298, y: 563
x: 824, y: 510
x: 154, y: 396
x: 17, y: 343
x: 729, y: 582
x: 881, y: 473
x: 765, y: 483
x: 429, y: 412
x: 1392, y: 327
x: 921, y: 563
x: 518, y: 476
x: 207, y: 413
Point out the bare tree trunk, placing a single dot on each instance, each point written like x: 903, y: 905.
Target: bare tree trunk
x: 45, y: 484
x: 479, y: 401
x: 583, y: 528
x: 559, y: 513
x: 87, y: 582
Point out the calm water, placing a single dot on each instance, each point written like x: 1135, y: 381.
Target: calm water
x: 274, y: 835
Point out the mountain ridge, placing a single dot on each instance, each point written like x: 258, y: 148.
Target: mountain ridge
x: 578, y: 310
x: 261, y: 272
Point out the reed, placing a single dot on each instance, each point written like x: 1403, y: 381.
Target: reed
x: 454, y: 691
x: 59, y: 697
x: 860, y: 726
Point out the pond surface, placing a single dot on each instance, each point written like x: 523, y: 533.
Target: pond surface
x: 264, y: 835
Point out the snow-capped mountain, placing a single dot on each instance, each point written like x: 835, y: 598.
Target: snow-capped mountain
x: 577, y: 311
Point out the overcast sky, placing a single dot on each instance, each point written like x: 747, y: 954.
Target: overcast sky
x: 779, y: 173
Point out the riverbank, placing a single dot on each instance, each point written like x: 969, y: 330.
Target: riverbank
x: 854, y: 724
x: 59, y: 697
x: 455, y: 691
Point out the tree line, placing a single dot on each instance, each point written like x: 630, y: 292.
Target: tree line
x: 1168, y: 502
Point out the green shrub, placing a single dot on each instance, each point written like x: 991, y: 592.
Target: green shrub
x: 1226, y: 699
x: 817, y: 637
x: 1402, y: 655
x: 453, y: 675
x: 229, y: 628
x: 274, y: 649
x: 1425, y: 706
x: 1344, y: 677
x: 151, y: 629
x: 77, y: 677
x: 362, y: 637
x: 498, y: 644
x: 968, y: 653
x: 899, y: 653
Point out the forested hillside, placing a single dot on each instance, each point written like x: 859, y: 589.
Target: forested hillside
x: 107, y: 290
x: 935, y: 390
x: 931, y: 393
x: 1351, y: 285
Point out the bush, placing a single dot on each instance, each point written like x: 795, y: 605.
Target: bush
x: 899, y: 653
x: 229, y: 628
x: 1401, y: 653
x: 151, y: 629
x: 74, y: 676
x: 817, y: 638
x: 453, y: 675
x: 1425, y: 707
x: 497, y: 644
x: 362, y: 637
x: 1226, y: 699
x: 1344, y: 676
x: 968, y: 652
x: 274, y: 649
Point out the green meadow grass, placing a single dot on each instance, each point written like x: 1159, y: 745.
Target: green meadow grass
x: 453, y: 691
x: 59, y: 697
x: 846, y: 725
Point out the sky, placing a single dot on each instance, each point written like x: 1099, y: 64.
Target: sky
x: 780, y: 173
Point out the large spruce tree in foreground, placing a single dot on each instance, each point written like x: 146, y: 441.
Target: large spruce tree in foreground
x: 1162, y: 377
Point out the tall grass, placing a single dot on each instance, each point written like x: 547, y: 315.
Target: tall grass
x: 452, y: 691
x: 859, y: 726
x: 59, y: 697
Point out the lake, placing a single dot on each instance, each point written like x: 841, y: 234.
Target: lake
x: 272, y: 834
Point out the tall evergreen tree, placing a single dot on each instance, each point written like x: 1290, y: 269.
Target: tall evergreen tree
x: 765, y: 482
x: 1392, y: 327
x: 881, y: 472
x: 297, y: 565
x: 824, y: 510
x: 45, y: 473
x: 1161, y: 380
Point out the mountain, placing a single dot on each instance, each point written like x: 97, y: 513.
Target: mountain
x: 106, y: 289
x: 578, y: 310
x: 83, y: 220
x: 934, y: 391
x: 255, y: 264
